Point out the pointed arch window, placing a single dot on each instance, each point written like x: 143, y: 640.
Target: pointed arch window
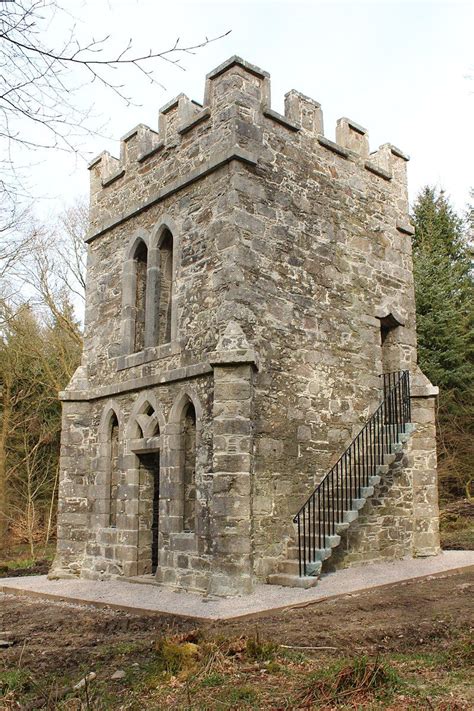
x: 141, y: 271
x: 148, y: 304
x: 114, y: 474
x: 165, y: 287
x: 189, y: 467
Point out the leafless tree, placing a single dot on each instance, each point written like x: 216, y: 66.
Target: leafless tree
x: 39, y: 84
x: 50, y: 273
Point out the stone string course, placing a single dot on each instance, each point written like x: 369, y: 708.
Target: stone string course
x: 289, y: 249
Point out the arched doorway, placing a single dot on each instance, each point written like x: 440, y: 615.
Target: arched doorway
x: 145, y: 443
x: 149, y: 502
x: 390, y: 325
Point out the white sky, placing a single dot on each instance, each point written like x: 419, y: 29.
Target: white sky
x: 398, y: 68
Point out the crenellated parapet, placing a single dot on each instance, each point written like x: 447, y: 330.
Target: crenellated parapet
x: 193, y: 140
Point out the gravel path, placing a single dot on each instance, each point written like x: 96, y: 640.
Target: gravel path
x: 139, y: 597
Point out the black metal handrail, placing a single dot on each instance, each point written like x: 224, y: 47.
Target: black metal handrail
x: 324, y: 509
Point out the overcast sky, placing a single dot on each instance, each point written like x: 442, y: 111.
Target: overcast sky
x: 400, y: 68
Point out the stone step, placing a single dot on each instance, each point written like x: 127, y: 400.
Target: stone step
x: 326, y: 524
x: 292, y: 553
x: 406, y: 429
x: 352, y: 485
x: 343, y: 498
x: 292, y: 567
x: 322, y: 554
x: 293, y: 581
x: 373, y: 479
x: 350, y: 516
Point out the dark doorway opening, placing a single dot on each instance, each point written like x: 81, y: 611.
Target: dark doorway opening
x: 391, y: 362
x: 151, y: 464
x: 390, y: 343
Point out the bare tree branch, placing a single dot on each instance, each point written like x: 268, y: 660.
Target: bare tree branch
x: 39, y: 83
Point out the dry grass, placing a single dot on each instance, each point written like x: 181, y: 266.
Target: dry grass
x: 194, y: 672
x: 457, y: 525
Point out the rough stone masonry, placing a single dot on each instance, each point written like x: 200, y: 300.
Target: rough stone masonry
x: 248, y: 282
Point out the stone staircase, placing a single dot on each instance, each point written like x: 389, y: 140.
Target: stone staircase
x: 350, y: 487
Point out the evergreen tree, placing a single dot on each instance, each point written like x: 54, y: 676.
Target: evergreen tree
x: 444, y: 292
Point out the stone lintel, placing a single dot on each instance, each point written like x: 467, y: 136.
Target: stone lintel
x: 147, y: 444
x: 221, y: 159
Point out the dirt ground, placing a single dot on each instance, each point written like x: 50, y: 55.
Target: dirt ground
x: 62, y: 643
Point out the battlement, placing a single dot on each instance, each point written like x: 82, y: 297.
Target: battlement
x: 235, y: 113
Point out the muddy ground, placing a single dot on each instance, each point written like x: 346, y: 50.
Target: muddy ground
x: 53, y: 638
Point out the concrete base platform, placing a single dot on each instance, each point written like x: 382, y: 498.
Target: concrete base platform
x: 266, y: 599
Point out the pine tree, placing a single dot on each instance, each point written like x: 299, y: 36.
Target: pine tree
x: 444, y: 292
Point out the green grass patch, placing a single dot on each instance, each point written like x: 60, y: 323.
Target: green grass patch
x: 19, y: 555
x: 241, y: 695
x: 260, y: 651
x: 124, y: 648
x: 17, y: 680
x: 213, y: 680
x: 18, y: 561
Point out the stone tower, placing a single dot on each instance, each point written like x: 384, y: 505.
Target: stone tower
x: 249, y: 280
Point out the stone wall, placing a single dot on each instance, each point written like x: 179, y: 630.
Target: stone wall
x: 290, y: 252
